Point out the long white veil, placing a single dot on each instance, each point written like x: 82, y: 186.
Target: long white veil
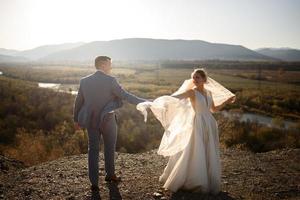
x: 219, y: 93
x: 177, y: 116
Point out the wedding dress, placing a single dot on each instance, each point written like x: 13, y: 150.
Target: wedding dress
x: 191, y: 139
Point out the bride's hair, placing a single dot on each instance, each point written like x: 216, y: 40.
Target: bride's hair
x: 201, y: 72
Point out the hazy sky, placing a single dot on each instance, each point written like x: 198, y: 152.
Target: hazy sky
x: 26, y: 24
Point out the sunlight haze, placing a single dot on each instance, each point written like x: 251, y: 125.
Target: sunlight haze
x: 27, y: 24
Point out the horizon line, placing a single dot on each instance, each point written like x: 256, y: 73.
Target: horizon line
x: 84, y: 42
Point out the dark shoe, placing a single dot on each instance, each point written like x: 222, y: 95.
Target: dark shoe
x: 95, y: 188
x: 113, y: 178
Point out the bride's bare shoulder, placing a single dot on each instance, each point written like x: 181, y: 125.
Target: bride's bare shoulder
x: 191, y: 92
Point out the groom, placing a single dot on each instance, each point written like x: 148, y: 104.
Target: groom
x: 98, y: 96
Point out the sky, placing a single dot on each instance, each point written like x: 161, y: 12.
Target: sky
x: 26, y: 24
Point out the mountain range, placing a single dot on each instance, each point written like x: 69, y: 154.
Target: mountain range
x: 148, y: 50
x: 285, y: 54
x: 8, y: 59
x: 8, y: 52
x: 42, y: 51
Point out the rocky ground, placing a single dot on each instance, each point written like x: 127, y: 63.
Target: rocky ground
x: 271, y: 175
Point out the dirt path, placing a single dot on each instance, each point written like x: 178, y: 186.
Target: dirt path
x: 271, y: 175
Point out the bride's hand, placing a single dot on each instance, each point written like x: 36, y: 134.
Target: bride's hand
x: 231, y: 99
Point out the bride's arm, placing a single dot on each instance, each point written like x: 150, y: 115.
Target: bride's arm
x: 219, y: 107
x: 187, y: 94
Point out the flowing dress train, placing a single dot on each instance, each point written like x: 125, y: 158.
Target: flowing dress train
x: 197, y: 167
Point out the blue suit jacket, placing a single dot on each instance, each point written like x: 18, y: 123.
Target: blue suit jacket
x: 98, y: 95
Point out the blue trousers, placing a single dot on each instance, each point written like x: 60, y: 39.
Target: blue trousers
x: 108, y: 130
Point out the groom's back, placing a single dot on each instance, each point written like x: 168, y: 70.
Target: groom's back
x: 95, y: 93
x: 97, y: 90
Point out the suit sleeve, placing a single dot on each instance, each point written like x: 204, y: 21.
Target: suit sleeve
x: 124, y: 95
x: 78, y: 103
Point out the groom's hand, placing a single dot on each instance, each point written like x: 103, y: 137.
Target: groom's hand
x: 76, y: 126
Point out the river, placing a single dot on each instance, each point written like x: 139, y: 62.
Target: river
x: 261, y: 119
x: 67, y: 88
x: 243, y: 117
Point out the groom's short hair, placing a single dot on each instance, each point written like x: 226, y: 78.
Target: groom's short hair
x: 101, y: 59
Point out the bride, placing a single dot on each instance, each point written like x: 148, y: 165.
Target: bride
x: 191, y: 139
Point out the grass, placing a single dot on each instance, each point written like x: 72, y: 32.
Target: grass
x: 37, y: 114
